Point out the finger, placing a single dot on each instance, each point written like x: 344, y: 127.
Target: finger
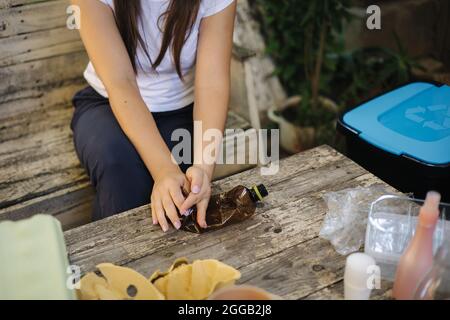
x: 171, y: 212
x: 196, y: 179
x: 160, y: 214
x: 177, y: 197
x: 153, y: 211
x: 186, y: 187
x: 201, y: 213
x: 190, y: 201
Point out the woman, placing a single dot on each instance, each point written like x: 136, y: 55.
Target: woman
x: 143, y: 58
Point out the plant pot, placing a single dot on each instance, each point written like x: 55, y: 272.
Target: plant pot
x: 294, y: 138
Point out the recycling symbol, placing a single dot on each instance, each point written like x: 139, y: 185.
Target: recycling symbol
x: 419, y: 115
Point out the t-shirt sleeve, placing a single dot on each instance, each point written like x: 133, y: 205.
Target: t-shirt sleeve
x: 109, y: 3
x: 212, y: 7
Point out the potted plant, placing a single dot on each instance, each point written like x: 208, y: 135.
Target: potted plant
x: 299, y: 35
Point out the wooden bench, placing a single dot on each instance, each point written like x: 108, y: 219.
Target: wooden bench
x: 278, y: 249
x: 41, y: 65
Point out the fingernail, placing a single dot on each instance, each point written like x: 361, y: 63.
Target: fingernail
x: 196, y: 189
x: 165, y: 228
x: 155, y: 222
x: 204, y: 225
x: 177, y: 225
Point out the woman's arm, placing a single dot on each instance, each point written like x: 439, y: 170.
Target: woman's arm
x: 212, y: 91
x: 108, y: 54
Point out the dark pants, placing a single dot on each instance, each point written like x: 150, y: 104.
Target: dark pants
x: 117, y: 172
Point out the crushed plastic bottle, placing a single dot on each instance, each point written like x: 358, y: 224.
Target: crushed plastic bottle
x: 227, y: 208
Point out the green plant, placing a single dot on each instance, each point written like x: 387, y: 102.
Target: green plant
x: 321, y: 21
x: 299, y: 35
x: 366, y: 72
x: 306, y: 41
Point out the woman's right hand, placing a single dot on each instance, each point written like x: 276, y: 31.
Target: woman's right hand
x: 167, y: 198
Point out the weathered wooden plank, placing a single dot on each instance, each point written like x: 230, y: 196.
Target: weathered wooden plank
x: 36, y: 149
x: 297, y: 271
x: 30, y: 145
x: 6, y: 4
x: 37, y: 156
x: 15, y: 192
x: 39, y: 171
x: 311, y: 270
x: 32, y: 16
x: 39, y: 45
x: 46, y: 72
x: 25, y: 102
x: 72, y: 206
x: 35, y: 122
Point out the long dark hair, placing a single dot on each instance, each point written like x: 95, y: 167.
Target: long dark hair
x: 178, y: 21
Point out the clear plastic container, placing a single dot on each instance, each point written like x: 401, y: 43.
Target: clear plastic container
x: 391, y: 225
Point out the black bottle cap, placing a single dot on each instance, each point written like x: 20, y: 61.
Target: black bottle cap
x: 261, y: 191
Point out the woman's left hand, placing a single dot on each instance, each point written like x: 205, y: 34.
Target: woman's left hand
x: 200, y: 193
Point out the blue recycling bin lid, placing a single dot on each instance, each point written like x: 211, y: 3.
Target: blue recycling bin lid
x: 412, y: 121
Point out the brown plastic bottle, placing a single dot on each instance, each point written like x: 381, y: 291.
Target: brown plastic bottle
x: 227, y: 208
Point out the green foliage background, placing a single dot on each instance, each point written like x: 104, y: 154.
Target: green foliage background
x: 348, y: 77
x: 291, y: 29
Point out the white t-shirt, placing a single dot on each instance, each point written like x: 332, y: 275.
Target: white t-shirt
x: 162, y: 90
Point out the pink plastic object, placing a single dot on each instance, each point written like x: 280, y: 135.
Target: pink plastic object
x: 418, y: 257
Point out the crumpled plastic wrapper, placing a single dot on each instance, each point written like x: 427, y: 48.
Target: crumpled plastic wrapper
x: 346, y: 220
x: 182, y: 281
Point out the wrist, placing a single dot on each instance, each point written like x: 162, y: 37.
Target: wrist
x: 207, y: 169
x: 164, y: 172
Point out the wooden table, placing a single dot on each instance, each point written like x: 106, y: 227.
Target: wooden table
x: 278, y: 249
